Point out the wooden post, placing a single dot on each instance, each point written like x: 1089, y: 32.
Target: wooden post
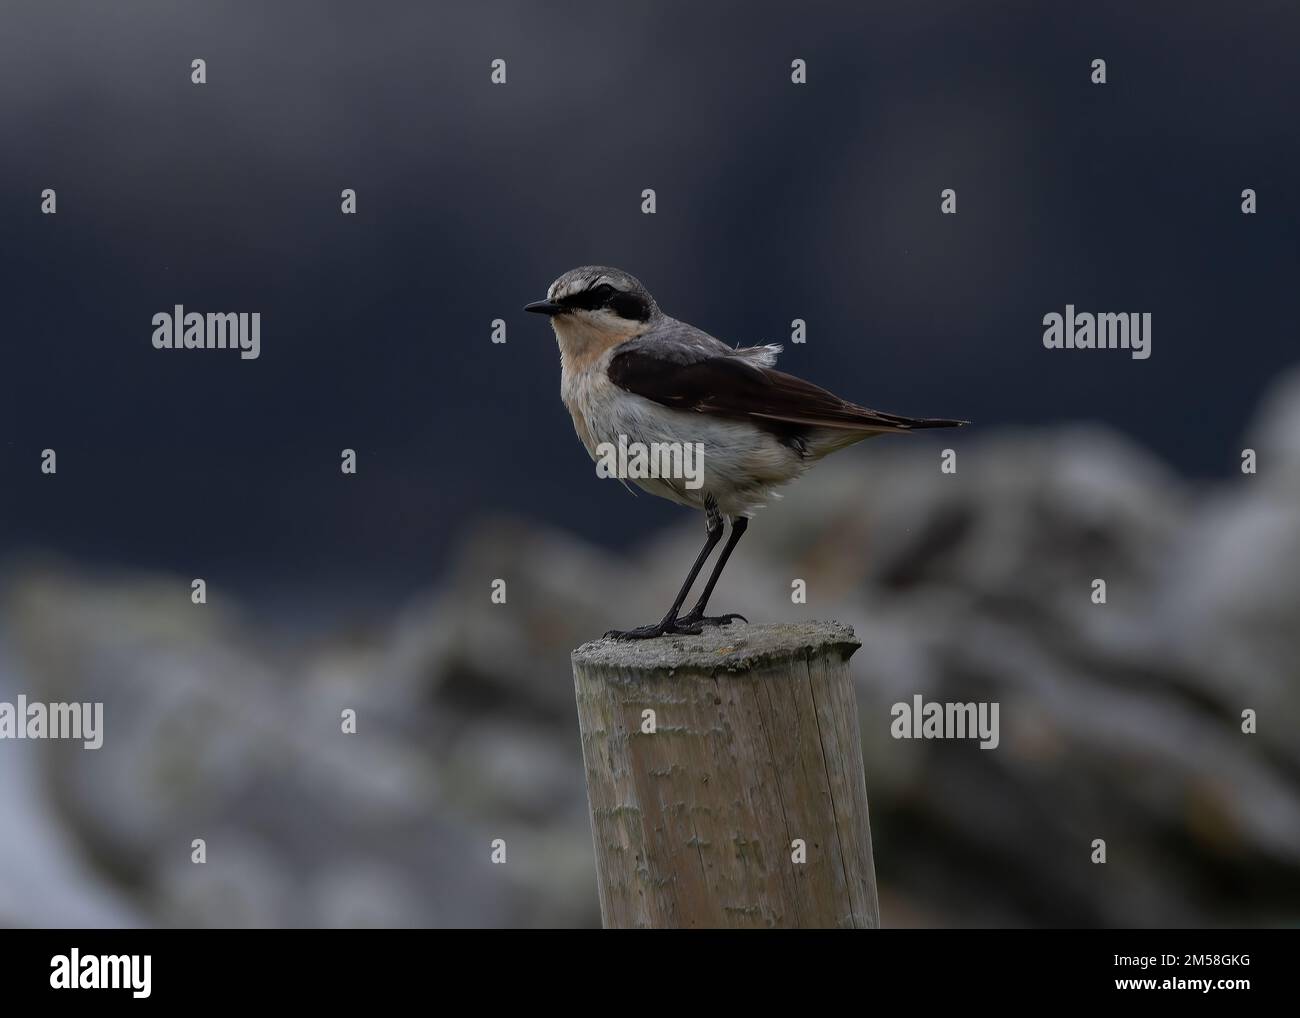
x: 699, y: 809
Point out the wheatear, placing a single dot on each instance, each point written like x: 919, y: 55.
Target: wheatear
x: 631, y: 374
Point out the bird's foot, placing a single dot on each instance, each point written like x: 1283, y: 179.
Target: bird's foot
x: 668, y: 627
x: 692, y: 619
x: 690, y: 624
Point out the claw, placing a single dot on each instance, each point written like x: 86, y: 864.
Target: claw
x: 713, y: 620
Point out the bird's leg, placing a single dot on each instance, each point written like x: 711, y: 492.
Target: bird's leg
x: 696, y: 616
x: 670, y: 623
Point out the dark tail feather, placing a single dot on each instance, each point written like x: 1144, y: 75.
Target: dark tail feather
x: 919, y: 423
x: 916, y: 423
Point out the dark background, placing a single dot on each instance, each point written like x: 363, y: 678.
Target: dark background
x: 775, y: 202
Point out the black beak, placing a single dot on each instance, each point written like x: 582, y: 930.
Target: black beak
x: 544, y: 307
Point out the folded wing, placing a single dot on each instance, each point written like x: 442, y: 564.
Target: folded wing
x: 707, y: 380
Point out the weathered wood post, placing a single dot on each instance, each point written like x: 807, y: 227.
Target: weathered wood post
x: 724, y: 775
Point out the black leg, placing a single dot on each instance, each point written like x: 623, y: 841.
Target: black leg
x: 696, y: 615
x: 669, y: 623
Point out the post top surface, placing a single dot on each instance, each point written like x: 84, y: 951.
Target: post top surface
x: 733, y: 648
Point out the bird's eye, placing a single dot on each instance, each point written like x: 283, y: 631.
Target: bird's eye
x: 603, y: 292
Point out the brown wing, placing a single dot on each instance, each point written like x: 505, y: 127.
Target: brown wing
x: 730, y: 386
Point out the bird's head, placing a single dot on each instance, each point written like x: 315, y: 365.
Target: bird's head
x: 597, y: 301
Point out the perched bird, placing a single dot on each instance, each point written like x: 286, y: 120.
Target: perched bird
x: 629, y: 372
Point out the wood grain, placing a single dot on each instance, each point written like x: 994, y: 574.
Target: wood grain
x: 755, y: 746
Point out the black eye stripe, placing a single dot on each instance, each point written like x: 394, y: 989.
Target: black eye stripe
x: 625, y: 305
x: 629, y: 305
x: 589, y: 299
